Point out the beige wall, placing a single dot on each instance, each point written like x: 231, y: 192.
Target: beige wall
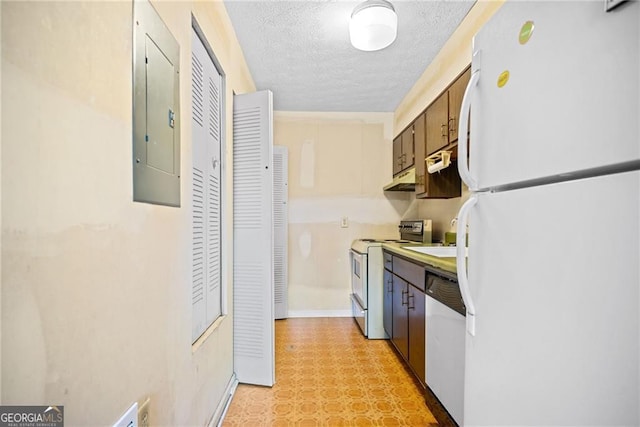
x: 96, y: 308
x: 338, y: 164
x: 454, y: 57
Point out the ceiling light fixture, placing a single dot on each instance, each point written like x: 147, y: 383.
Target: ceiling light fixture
x: 373, y: 25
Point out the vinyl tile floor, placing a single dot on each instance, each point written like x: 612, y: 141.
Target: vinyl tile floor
x: 328, y: 374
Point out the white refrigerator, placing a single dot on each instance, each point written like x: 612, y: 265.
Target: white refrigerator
x: 551, y: 283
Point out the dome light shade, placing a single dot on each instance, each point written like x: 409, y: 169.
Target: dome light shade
x: 373, y: 25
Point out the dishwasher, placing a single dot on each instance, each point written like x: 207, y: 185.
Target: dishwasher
x: 445, y: 336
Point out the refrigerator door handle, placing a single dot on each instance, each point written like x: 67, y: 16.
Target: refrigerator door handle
x: 463, y: 148
x: 461, y: 265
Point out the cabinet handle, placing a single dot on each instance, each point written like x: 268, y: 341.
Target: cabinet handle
x: 390, y: 283
x: 452, y: 125
x: 443, y: 131
x: 412, y: 296
x: 402, y: 297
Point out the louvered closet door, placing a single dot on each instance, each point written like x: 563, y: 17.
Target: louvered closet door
x: 280, y: 229
x: 253, y: 238
x: 206, y: 208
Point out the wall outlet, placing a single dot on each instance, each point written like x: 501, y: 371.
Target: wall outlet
x: 344, y: 222
x: 143, y: 413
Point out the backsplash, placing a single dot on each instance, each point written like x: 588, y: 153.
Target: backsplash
x: 439, y: 211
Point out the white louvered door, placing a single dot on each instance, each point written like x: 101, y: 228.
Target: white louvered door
x: 280, y: 229
x: 206, y: 200
x: 253, y: 303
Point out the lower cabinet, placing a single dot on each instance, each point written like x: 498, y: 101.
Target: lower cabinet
x: 387, y: 303
x: 400, y: 335
x: 404, y: 312
x: 416, y: 313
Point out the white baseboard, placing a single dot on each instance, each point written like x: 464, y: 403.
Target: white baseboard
x: 221, y: 410
x: 320, y: 313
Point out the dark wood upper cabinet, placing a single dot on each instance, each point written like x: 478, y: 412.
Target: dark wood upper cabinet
x: 420, y: 141
x: 436, y: 128
x: 445, y: 184
x: 407, y: 148
x: 397, y: 155
x: 456, y: 92
x: 438, y: 124
x: 403, y: 151
x: 443, y: 115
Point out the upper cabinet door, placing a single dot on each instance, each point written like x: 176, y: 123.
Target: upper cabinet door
x: 438, y: 124
x: 420, y: 141
x: 456, y: 92
x: 407, y: 148
x: 397, y: 155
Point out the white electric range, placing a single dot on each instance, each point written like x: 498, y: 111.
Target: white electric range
x: 367, y: 267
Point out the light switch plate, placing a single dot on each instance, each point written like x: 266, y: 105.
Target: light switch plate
x: 130, y: 418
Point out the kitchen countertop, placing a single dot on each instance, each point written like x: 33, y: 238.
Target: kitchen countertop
x: 446, y: 264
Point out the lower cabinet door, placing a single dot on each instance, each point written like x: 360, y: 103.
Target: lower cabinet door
x: 387, y: 303
x: 400, y: 323
x: 416, y: 313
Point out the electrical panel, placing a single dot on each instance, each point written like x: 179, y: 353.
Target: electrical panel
x: 156, y: 109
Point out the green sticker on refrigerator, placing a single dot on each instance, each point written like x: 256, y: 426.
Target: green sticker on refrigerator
x: 525, y: 32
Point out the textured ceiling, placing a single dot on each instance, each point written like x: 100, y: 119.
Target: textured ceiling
x: 300, y: 50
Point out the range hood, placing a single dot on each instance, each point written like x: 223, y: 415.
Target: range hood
x: 406, y: 181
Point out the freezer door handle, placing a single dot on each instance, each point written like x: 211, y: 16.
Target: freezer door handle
x: 463, y: 121
x: 461, y: 265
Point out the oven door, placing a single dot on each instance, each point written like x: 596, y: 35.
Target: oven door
x: 359, y: 277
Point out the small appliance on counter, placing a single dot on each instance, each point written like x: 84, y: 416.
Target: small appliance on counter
x: 416, y: 230
x: 367, y: 271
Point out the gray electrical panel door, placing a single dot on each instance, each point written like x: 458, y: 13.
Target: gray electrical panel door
x: 156, y: 109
